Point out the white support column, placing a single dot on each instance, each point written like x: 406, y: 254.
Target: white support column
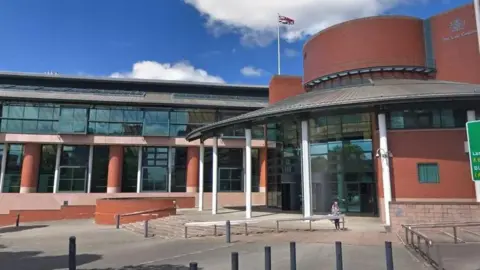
x: 200, y: 176
x: 306, y: 175
x: 471, y: 116
x: 56, y: 177
x: 385, y: 160
x: 248, y: 173
x: 3, y: 166
x: 170, y: 169
x: 215, y: 176
x: 90, y: 166
x: 139, y: 170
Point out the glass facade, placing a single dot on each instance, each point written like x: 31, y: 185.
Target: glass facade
x: 99, y: 169
x: 130, y: 168
x: 342, y: 163
x: 13, y: 170
x: 155, y: 169
x: 46, y: 118
x: 179, y: 169
x: 73, y: 168
x: 47, y: 168
x: 427, y: 118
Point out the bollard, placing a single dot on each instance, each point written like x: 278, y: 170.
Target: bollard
x: 215, y: 230
x: 246, y: 228
x: 146, y: 228
x: 389, y: 255
x: 72, y: 253
x: 268, y: 258
x: 227, y: 231
x: 117, y: 221
x: 193, y: 266
x: 234, y: 260
x: 455, y: 234
x: 186, y: 232
x: 17, y: 221
x: 339, y: 255
x: 293, y: 256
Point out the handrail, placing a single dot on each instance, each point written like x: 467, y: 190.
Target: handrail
x: 418, y: 247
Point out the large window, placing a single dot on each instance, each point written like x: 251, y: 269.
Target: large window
x: 178, y: 166
x: 233, y: 131
x: 428, y: 118
x: 99, y: 169
x: 182, y: 121
x: 155, y: 169
x: 428, y: 173
x: 46, y: 173
x: 156, y: 123
x: 73, y: 168
x: 30, y: 118
x: 113, y: 121
x: 72, y: 120
x: 11, y: 182
x: 130, y: 168
x: 230, y: 170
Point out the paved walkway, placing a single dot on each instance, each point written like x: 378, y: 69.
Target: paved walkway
x: 45, y: 246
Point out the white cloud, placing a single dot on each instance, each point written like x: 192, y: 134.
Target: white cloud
x: 290, y: 52
x: 250, y: 71
x: 256, y: 21
x: 180, y: 71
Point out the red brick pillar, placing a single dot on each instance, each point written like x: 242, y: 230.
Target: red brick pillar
x: 262, y: 153
x: 30, y: 166
x: 193, y: 155
x: 115, y: 168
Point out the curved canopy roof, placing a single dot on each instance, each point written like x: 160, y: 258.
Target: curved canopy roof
x: 380, y: 92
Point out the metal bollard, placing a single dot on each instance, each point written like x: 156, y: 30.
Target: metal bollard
x: 72, y: 253
x: 186, y: 232
x: 246, y: 229
x: 117, y: 221
x: 268, y: 258
x: 455, y: 234
x: 234, y: 260
x: 293, y: 256
x: 339, y: 255
x: 146, y: 229
x: 193, y: 266
x: 214, y: 230
x: 389, y: 255
x: 227, y: 231
x: 17, y: 221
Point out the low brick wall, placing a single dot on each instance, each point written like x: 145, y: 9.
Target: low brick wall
x: 65, y: 212
x: 431, y: 212
x: 107, y: 209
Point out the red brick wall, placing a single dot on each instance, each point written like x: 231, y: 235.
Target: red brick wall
x: 432, y: 212
x: 65, y: 212
x: 367, y: 42
x: 282, y: 87
x: 456, y: 59
x: 445, y: 147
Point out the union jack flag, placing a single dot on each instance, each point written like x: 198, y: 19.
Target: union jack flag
x: 285, y: 20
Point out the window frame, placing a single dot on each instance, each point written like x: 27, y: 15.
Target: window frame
x: 420, y: 166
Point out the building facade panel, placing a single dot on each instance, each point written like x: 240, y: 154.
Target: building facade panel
x: 443, y: 149
x: 455, y: 45
x: 368, y: 42
x: 282, y: 87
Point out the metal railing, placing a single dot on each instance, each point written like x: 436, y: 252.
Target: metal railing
x: 150, y: 214
x: 427, y: 247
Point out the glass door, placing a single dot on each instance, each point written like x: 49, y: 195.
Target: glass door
x: 230, y: 179
x: 155, y: 169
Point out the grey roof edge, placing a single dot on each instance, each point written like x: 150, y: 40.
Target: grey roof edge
x: 197, y: 134
x: 126, y: 80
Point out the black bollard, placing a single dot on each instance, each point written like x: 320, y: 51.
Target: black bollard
x: 227, y: 231
x: 339, y: 255
x: 234, y: 260
x: 389, y: 255
x: 293, y: 256
x: 193, y: 266
x: 117, y: 221
x: 268, y: 258
x: 72, y: 253
x: 17, y: 221
x: 146, y: 229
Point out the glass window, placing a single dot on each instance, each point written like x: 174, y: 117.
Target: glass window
x: 72, y: 120
x: 156, y: 123
x: 179, y: 178
x: 155, y: 169
x: 115, y: 121
x: 100, y: 169
x: 47, y: 169
x: 130, y: 168
x: 428, y: 173
x: 13, y: 170
x: 428, y: 118
x: 73, y: 168
x: 29, y: 118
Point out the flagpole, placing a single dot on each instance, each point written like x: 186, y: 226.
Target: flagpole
x: 476, y: 4
x: 278, y: 44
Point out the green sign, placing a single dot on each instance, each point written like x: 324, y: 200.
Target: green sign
x: 473, y: 136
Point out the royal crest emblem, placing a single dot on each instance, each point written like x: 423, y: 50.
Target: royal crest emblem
x: 457, y: 25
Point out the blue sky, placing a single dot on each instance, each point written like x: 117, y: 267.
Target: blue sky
x: 209, y: 40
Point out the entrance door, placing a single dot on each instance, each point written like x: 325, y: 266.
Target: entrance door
x: 355, y: 195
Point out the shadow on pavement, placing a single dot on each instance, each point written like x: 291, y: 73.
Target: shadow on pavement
x: 20, y: 228
x: 149, y: 267
x: 33, y: 260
